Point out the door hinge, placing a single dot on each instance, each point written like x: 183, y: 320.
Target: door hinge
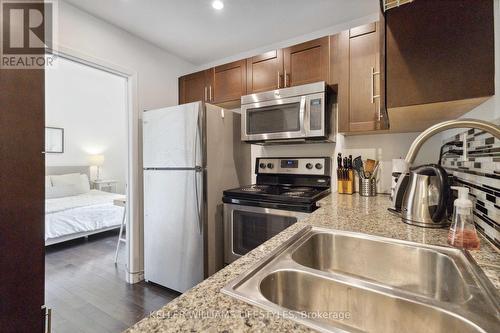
x: 47, y: 313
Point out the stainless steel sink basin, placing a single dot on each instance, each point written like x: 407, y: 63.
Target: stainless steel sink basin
x: 338, y: 281
x: 402, y: 266
x: 369, y: 311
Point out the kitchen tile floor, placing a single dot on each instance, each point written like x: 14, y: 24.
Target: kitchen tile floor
x: 88, y: 293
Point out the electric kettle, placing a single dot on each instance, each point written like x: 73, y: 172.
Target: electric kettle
x: 421, y: 198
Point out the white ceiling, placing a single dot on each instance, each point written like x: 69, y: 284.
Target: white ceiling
x: 194, y: 31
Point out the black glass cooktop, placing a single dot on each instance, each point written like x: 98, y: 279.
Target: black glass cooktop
x: 280, y: 193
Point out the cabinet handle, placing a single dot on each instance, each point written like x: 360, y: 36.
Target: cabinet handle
x: 372, y: 85
x: 206, y: 100
x: 279, y: 80
x: 210, y: 93
x: 286, y: 76
x: 379, y: 111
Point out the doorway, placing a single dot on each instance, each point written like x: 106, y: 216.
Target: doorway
x: 89, y: 198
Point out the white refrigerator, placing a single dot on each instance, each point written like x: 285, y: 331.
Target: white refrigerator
x: 186, y: 148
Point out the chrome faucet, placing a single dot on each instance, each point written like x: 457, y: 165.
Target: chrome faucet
x: 446, y: 125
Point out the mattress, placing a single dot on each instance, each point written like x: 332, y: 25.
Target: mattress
x: 87, y: 212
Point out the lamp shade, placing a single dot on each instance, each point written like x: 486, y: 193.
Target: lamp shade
x: 96, y: 160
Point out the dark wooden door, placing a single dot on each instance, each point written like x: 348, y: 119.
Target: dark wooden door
x: 364, y: 79
x: 229, y: 82
x: 21, y: 200
x: 194, y: 87
x: 307, y: 62
x: 265, y: 72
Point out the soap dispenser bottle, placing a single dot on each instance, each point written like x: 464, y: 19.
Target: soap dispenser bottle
x: 462, y: 232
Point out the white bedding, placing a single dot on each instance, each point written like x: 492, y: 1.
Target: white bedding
x: 91, y: 211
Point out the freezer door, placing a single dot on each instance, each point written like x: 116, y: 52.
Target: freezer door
x: 171, y: 137
x: 173, y: 228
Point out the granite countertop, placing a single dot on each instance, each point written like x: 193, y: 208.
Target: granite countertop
x: 205, y: 309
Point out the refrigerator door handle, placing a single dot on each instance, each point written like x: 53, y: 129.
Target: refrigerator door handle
x: 198, y: 210
x: 196, y: 135
x: 198, y: 170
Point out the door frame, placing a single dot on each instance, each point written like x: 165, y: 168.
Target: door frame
x: 134, y: 270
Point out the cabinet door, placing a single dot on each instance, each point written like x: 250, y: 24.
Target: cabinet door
x: 364, y: 79
x: 307, y: 62
x: 439, y: 51
x: 265, y: 72
x: 193, y: 87
x: 229, y: 82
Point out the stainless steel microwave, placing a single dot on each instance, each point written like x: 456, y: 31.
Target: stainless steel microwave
x: 296, y: 114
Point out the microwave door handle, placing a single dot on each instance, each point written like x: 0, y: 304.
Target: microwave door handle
x: 307, y: 123
x: 302, y: 115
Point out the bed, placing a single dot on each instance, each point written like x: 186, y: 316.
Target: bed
x: 73, y: 210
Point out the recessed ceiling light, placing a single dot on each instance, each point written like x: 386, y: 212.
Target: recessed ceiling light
x: 218, y: 4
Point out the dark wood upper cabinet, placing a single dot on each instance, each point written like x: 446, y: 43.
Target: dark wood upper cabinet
x: 195, y: 87
x: 356, y: 71
x: 440, y: 60
x: 225, y: 84
x: 230, y: 82
x: 265, y: 72
x: 423, y: 63
x: 365, y: 112
x: 307, y: 62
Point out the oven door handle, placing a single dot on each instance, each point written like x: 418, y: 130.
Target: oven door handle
x: 229, y: 254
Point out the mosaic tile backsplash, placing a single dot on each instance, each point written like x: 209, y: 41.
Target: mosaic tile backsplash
x: 480, y: 172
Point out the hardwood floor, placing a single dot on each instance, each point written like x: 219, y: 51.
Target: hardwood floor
x: 88, y: 293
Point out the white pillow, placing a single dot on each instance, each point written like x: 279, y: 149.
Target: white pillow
x: 68, y: 185
x: 67, y: 179
x: 61, y: 191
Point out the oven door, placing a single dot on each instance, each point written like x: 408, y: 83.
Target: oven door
x: 271, y: 120
x: 246, y: 227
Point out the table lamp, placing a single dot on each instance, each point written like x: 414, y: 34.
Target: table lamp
x: 97, y: 161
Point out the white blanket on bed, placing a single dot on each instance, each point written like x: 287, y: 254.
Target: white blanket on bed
x: 94, y: 197
x: 81, y: 213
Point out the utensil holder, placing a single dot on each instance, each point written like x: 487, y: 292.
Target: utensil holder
x: 367, y: 187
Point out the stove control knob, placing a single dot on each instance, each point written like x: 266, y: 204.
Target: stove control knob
x: 309, y: 166
x: 270, y: 165
x: 262, y: 165
x: 319, y: 166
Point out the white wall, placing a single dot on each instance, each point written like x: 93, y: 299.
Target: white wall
x: 382, y: 147
x: 155, y: 82
x: 91, y: 106
x: 157, y: 70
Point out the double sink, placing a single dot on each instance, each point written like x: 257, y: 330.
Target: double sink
x: 338, y: 281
